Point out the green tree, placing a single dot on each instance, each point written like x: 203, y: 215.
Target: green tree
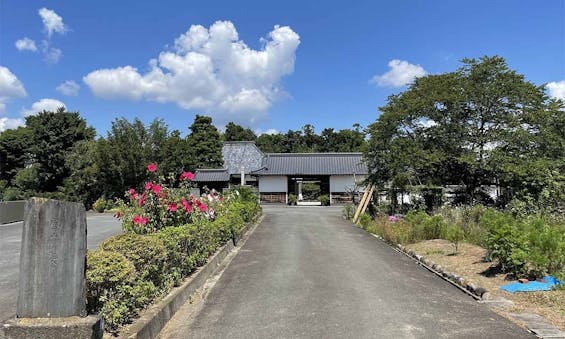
x: 53, y: 136
x: 176, y: 156
x: 205, y: 143
x: 447, y: 128
x: 85, y: 183
x: 271, y: 143
x: 14, y: 152
x: 236, y: 132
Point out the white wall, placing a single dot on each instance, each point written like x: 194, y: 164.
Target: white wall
x: 273, y: 184
x: 345, y: 183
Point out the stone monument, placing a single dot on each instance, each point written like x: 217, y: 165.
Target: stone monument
x: 52, y: 295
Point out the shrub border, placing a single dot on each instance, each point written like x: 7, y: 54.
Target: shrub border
x: 155, y: 317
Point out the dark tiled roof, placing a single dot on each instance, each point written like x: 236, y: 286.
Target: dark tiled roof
x: 209, y: 175
x: 241, y: 153
x: 312, y: 164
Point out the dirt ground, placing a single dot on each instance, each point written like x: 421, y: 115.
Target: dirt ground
x: 469, y: 264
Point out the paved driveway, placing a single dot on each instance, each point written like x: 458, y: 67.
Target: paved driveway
x: 307, y: 273
x: 99, y: 227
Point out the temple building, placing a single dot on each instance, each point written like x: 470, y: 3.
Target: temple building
x: 277, y: 176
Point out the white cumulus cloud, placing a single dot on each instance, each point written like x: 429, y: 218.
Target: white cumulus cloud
x: 556, y: 89
x: 8, y: 123
x: 46, y: 104
x: 401, y: 73
x: 26, y: 44
x: 10, y: 87
x: 69, y: 88
x: 52, y: 22
x: 208, y: 69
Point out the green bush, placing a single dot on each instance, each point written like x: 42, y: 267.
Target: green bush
x: 99, y: 205
x: 105, y: 272
x: 292, y: 199
x: 365, y: 220
x: 146, y: 253
x: 348, y: 211
x: 506, y: 242
x: 455, y: 234
x: 325, y: 200
x: 130, y: 270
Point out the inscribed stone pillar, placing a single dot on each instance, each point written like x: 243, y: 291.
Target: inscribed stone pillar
x: 52, y: 260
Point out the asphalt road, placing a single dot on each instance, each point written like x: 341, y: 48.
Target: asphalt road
x: 307, y: 273
x: 99, y: 228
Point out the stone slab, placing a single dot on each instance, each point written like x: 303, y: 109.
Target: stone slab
x: 90, y: 327
x: 52, y: 260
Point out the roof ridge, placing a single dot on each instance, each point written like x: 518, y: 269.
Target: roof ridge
x: 211, y: 169
x: 317, y: 153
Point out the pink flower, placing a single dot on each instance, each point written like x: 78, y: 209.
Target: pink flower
x: 132, y: 193
x: 203, y: 207
x: 148, y: 185
x: 392, y: 218
x: 118, y: 215
x: 186, y: 205
x: 186, y: 176
x: 172, y: 207
x: 139, y: 220
x: 156, y: 189
x: 142, y: 199
x: 151, y: 167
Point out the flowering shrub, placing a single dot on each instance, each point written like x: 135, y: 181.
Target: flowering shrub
x: 168, y: 234
x: 158, y: 206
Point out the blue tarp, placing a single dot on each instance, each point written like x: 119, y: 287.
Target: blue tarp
x: 547, y: 284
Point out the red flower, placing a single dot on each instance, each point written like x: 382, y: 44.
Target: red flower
x: 142, y: 199
x: 186, y: 176
x: 118, y: 215
x: 156, y: 189
x: 151, y: 167
x: 203, y: 207
x: 221, y: 199
x: 139, y: 220
x: 186, y: 205
x: 132, y: 193
x: 148, y: 185
x: 172, y: 207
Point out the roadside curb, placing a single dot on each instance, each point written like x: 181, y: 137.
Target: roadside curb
x: 534, y: 323
x: 155, y: 317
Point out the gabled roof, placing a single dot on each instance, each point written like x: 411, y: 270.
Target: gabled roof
x: 211, y: 175
x: 242, y: 153
x: 312, y: 164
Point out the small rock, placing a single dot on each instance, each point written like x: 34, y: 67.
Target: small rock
x: 471, y: 287
x: 481, y: 292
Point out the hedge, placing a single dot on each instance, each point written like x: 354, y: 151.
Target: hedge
x: 130, y: 271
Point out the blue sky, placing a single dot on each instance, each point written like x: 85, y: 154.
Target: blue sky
x: 266, y: 65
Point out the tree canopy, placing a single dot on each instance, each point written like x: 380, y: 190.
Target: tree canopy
x: 483, y: 124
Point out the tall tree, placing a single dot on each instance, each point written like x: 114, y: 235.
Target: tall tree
x: 14, y: 152
x: 53, y: 136
x: 205, y: 143
x: 445, y: 129
x: 236, y: 132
